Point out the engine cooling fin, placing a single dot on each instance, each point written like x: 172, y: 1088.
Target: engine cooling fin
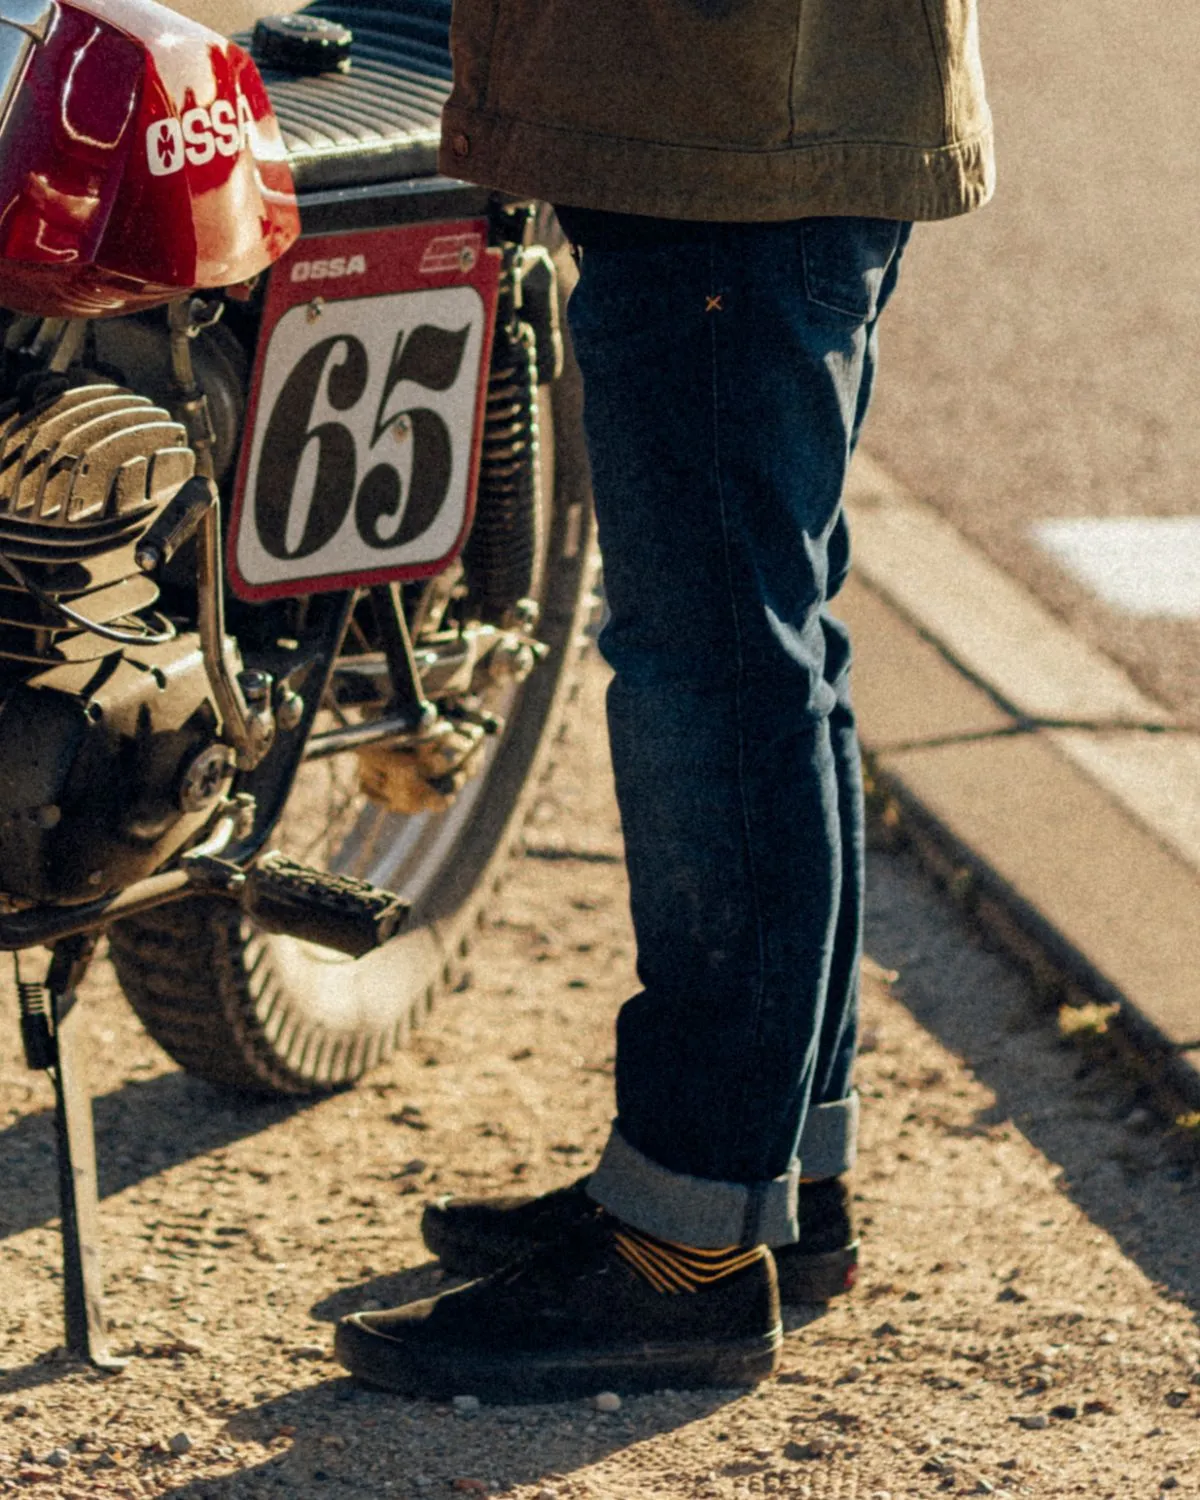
x: 81, y: 477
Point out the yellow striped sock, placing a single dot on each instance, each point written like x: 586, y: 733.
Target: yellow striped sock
x: 670, y: 1267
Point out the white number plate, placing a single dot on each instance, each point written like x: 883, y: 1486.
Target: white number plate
x: 366, y: 411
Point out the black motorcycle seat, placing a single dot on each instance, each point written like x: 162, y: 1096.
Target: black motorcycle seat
x: 379, y: 121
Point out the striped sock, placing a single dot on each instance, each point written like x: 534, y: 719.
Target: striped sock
x: 670, y: 1267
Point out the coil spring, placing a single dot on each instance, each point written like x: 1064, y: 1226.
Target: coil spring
x: 37, y: 1037
x: 501, y: 555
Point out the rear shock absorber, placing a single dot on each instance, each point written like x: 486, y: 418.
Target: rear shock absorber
x: 502, y: 553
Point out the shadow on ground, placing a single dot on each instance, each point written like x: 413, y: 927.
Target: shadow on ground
x: 1084, y: 1114
x: 360, y: 1443
x: 52, y: 1366
x: 133, y: 1144
x: 142, y: 1128
x: 384, y: 1291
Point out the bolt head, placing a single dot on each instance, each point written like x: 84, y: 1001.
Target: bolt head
x: 289, y: 710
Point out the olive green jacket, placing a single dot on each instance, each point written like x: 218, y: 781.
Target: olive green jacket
x: 723, y: 109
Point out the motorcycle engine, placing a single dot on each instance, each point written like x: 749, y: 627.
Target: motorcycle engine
x: 109, y: 756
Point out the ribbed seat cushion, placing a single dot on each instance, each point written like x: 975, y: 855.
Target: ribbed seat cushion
x: 380, y: 120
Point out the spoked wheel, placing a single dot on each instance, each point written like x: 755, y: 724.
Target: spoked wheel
x: 275, y: 1014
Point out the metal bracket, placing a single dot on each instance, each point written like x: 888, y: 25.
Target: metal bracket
x: 408, y: 696
x: 248, y: 727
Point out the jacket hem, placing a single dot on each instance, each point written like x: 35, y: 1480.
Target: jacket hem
x: 616, y: 175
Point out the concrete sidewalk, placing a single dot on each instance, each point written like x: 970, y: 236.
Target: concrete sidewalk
x: 1053, y: 792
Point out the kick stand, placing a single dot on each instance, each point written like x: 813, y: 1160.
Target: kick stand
x: 49, y: 1028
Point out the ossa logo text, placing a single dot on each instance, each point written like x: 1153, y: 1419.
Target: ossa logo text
x: 198, y: 136
x: 336, y: 265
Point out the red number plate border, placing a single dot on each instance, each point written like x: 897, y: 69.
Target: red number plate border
x: 406, y: 258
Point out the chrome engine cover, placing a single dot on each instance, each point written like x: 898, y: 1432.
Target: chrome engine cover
x: 96, y: 737
x: 83, y: 472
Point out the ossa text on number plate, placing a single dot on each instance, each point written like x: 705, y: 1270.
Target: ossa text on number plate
x: 366, y: 410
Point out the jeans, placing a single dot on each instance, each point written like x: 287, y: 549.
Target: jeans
x: 727, y: 370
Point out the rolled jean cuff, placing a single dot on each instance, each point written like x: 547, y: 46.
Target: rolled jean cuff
x: 829, y: 1140
x: 696, y: 1211
x: 711, y: 1214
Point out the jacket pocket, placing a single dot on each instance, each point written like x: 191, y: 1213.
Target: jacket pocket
x: 846, y: 261
x: 680, y: 72
x: 870, y: 71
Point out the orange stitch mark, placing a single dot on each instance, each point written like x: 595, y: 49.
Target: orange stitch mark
x: 713, y: 304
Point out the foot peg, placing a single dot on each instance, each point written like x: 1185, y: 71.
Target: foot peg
x: 336, y: 911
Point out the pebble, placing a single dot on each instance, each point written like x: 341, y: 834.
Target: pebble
x: 310, y: 1351
x: 817, y: 1447
x: 180, y: 1444
x: 1170, y: 1483
x: 855, y: 1372
x: 607, y: 1401
x: 1038, y: 1422
x: 57, y: 1458
x: 880, y: 1495
x: 547, y: 1494
x: 466, y: 1406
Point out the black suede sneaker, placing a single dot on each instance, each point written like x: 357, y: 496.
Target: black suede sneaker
x: 573, y: 1319
x: 476, y: 1236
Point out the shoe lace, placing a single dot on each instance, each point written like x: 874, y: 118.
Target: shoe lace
x: 579, y: 1251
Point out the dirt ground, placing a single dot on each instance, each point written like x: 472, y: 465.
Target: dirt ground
x: 1025, y: 1322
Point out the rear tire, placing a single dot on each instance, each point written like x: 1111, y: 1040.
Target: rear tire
x: 271, y: 1014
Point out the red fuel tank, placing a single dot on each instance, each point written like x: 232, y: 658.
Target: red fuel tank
x: 139, y: 157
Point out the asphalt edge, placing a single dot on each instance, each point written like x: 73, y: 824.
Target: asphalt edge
x: 972, y: 849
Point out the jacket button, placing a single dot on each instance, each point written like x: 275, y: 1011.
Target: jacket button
x: 461, y: 144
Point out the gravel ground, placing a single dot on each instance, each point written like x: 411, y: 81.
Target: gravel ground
x: 1024, y: 1324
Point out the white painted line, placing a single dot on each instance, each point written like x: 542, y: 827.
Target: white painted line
x: 981, y: 616
x: 1147, y: 566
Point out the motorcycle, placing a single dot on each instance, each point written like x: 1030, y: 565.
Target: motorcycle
x: 294, y: 541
